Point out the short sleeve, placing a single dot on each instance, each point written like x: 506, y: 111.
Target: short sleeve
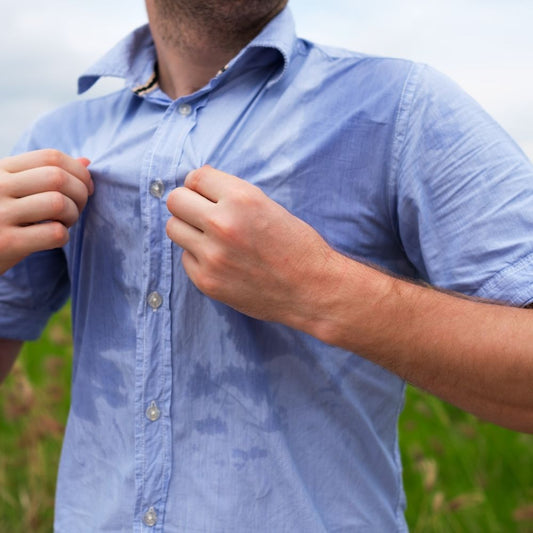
x: 463, y: 193
x: 34, y: 289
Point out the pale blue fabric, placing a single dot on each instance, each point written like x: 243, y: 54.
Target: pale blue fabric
x: 262, y: 428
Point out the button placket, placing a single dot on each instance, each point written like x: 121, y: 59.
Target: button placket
x: 154, y: 390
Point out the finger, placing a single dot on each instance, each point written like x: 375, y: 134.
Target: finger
x: 38, y: 237
x: 191, y: 266
x: 45, y: 206
x: 211, y: 183
x: 184, y: 235
x: 190, y: 207
x: 43, y: 179
x: 48, y: 158
x: 86, y: 162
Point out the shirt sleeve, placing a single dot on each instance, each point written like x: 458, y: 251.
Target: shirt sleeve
x: 463, y: 193
x: 34, y: 289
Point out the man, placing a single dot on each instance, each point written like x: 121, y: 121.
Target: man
x: 216, y: 385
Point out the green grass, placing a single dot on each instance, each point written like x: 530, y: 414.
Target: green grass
x: 461, y: 475
x: 34, y: 404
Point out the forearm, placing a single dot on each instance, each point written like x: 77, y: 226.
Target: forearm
x: 478, y: 356
x: 9, y: 349
x: 243, y: 249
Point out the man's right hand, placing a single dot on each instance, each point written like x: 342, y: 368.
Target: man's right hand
x: 42, y: 194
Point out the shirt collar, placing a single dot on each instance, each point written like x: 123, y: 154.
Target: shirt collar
x: 134, y: 57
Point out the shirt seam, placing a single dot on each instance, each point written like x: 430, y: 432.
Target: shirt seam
x: 398, y: 142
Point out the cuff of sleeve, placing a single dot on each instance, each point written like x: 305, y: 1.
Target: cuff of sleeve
x: 22, y: 324
x: 513, y: 285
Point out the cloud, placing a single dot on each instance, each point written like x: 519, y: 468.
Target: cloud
x: 45, y: 46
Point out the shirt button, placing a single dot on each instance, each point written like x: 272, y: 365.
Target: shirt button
x: 155, y: 300
x: 150, y: 517
x: 153, y: 413
x: 157, y: 188
x: 185, y: 110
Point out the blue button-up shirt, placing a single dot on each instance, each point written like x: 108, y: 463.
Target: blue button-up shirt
x: 188, y: 416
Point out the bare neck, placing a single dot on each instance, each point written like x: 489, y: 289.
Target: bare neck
x: 190, y: 53
x: 184, y: 71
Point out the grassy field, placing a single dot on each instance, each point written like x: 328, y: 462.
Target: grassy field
x: 460, y: 475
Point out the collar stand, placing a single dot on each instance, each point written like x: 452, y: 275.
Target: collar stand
x: 134, y: 58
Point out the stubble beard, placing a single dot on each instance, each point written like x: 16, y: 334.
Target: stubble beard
x: 228, y: 24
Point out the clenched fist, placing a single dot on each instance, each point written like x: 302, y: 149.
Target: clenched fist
x: 42, y: 194
x: 244, y: 249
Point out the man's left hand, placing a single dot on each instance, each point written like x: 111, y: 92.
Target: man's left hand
x: 244, y: 249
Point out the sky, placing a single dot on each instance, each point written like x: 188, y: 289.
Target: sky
x: 484, y: 45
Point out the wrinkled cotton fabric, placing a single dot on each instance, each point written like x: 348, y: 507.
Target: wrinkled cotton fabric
x: 254, y: 426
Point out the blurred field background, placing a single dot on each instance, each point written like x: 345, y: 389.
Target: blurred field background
x: 461, y: 475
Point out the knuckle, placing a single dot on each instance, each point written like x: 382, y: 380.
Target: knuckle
x: 57, y: 178
x: 172, y: 200
x: 5, y: 213
x: 250, y: 195
x: 81, y: 198
x: 214, y: 259
x: 6, y: 183
x: 207, y: 284
x: 170, y: 229
x: 58, y: 203
x: 241, y: 199
x: 222, y: 227
x: 245, y: 200
x: 81, y: 203
x: 59, y: 235
x: 52, y: 157
x: 6, y: 239
x: 194, y: 177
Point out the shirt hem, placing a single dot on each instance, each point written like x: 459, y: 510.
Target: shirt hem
x: 512, y: 284
x: 21, y: 324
